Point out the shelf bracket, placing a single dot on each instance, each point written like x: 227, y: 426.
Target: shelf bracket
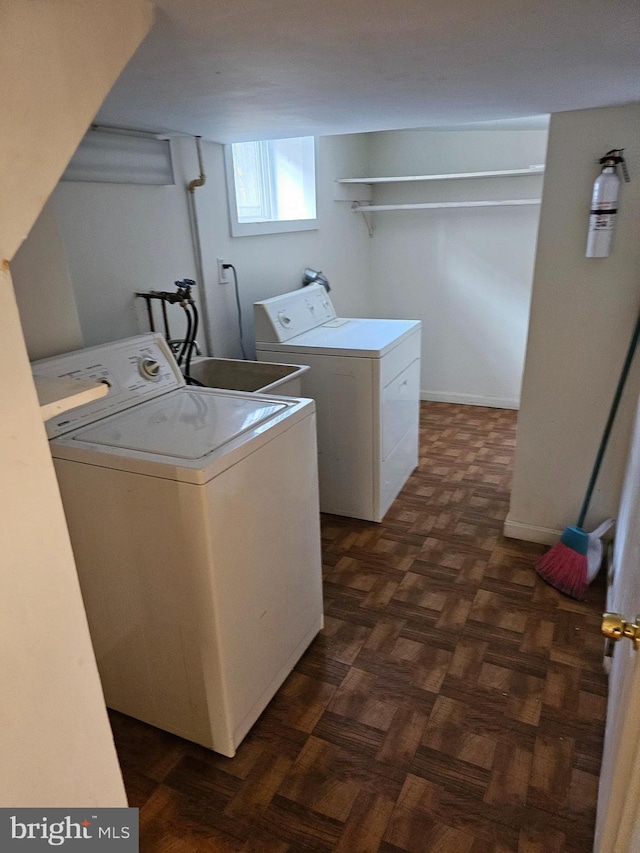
x: 358, y: 207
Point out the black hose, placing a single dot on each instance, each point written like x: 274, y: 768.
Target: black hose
x: 235, y: 279
x: 192, y: 343
x: 187, y: 337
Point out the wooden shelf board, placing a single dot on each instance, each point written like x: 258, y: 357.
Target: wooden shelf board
x: 58, y: 394
x: 501, y: 173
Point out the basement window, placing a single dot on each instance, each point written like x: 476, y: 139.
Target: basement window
x: 271, y: 186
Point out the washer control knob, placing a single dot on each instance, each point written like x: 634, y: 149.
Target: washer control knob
x: 284, y: 318
x: 149, y: 368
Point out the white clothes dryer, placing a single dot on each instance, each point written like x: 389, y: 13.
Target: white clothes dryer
x: 365, y: 379
x: 193, y: 515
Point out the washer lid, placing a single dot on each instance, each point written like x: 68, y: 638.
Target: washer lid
x: 345, y: 336
x: 185, y: 424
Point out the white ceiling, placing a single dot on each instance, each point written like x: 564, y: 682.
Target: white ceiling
x: 247, y: 69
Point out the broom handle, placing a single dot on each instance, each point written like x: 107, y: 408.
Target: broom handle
x: 609, y: 424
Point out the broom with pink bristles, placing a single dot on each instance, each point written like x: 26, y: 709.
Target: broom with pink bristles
x: 574, y: 561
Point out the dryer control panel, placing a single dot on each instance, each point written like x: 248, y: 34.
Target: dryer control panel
x: 134, y: 369
x: 283, y: 317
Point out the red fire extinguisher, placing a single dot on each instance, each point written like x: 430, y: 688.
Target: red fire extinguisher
x: 604, y: 204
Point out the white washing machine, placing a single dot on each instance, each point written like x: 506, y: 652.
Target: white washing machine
x: 193, y: 516
x: 365, y: 379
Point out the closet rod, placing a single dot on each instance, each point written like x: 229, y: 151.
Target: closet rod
x: 375, y: 208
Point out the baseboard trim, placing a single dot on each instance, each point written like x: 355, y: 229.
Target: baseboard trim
x: 530, y: 532
x: 471, y: 400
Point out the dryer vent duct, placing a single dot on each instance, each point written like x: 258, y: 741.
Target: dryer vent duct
x: 315, y: 277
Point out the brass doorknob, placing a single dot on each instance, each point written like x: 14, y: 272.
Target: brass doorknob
x: 614, y: 627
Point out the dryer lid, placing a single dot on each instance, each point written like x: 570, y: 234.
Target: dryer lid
x: 351, y: 337
x: 185, y: 424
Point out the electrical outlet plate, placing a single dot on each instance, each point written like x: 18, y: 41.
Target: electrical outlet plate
x: 224, y: 276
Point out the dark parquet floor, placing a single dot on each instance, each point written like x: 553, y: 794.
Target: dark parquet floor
x: 454, y: 703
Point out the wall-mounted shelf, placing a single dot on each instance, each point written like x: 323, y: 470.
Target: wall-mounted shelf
x: 360, y: 191
x: 58, y: 394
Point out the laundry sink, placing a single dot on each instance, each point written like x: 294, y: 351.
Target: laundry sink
x: 259, y: 376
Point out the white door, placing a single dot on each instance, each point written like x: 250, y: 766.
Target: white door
x: 618, y: 820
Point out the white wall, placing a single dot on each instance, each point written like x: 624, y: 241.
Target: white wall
x: 466, y: 273
x: 57, y: 748
x: 272, y: 264
x: 582, y: 315
x: 120, y: 238
x: 44, y: 292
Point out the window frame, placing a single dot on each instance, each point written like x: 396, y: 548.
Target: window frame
x: 267, y: 226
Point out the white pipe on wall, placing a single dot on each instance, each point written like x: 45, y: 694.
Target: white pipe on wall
x: 192, y: 186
